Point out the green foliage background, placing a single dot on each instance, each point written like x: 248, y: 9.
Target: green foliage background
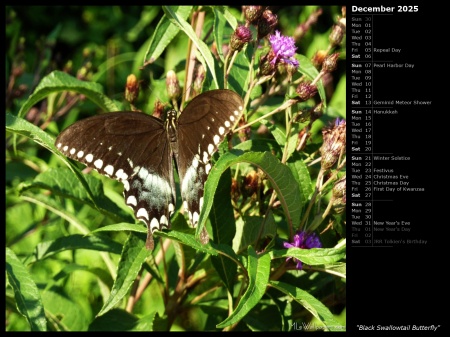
x: 75, y: 256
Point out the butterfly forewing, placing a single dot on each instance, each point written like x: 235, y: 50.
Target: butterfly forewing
x: 202, y: 126
x: 132, y: 148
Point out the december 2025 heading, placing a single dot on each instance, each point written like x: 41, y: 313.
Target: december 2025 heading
x: 385, y: 9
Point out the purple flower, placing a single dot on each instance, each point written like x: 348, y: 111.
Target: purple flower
x: 284, y: 49
x: 303, y: 240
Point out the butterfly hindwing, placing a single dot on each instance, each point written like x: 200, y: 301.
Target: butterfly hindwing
x: 202, y: 126
x: 132, y: 148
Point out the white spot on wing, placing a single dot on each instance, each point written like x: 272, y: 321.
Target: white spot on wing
x: 201, y: 203
x: 210, y: 148
x: 142, y: 213
x: 171, y: 208
x: 126, y: 185
x: 195, y: 217
x: 72, y: 151
x: 232, y: 118
x: 65, y: 148
x: 163, y: 220
x: 195, y: 161
x: 109, y: 169
x: 98, y: 163
x: 59, y: 145
x: 227, y: 124
x: 216, y: 139
x: 154, y: 224
x: 207, y: 168
x: 131, y: 200
x: 205, y: 156
x: 119, y: 174
x: 221, y: 130
x: 80, y: 154
x: 89, y: 158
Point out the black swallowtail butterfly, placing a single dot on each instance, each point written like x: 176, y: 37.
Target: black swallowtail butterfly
x: 138, y: 150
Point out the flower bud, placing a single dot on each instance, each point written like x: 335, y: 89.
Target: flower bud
x: 158, y: 109
x: 172, y: 85
x: 131, y: 89
x: 318, y: 58
x: 334, y: 140
x: 239, y: 38
x: 266, y: 66
x: 197, y: 85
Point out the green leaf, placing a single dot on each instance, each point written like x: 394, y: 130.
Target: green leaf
x: 175, y: 18
x: 133, y: 256
x: 164, y: 33
x: 253, y: 228
x: 58, y: 81
x: 313, y: 256
x: 307, y: 68
x: 301, y: 175
x: 26, y: 293
x: 123, y: 226
x: 22, y: 127
x: 310, y: 303
x: 76, y: 241
x: 280, y: 137
x: 62, y: 182
x: 224, y: 229
x: 258, y: 276
x: 279, y: 175
x: 63, y: 313
x: 222, y: 214
x: 219, y: 24
x: 120, y: 320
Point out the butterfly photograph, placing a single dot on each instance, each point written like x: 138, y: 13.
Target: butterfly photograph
x: 175, y: 168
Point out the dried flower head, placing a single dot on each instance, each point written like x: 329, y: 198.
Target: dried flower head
x: 339, y: 195
x: 334, y: 140
x: 337, y: 34
x: 266, y: 23
x: 251, y: 183
x: 330, y: 62
x: 306, y: 90
x: 303, y: 240
x: 252, y: 13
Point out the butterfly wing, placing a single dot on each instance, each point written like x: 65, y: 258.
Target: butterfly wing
x: 202, y: 126
x: 132, y: 148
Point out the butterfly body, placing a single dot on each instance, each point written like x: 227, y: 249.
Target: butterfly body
x: 138, y: 150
